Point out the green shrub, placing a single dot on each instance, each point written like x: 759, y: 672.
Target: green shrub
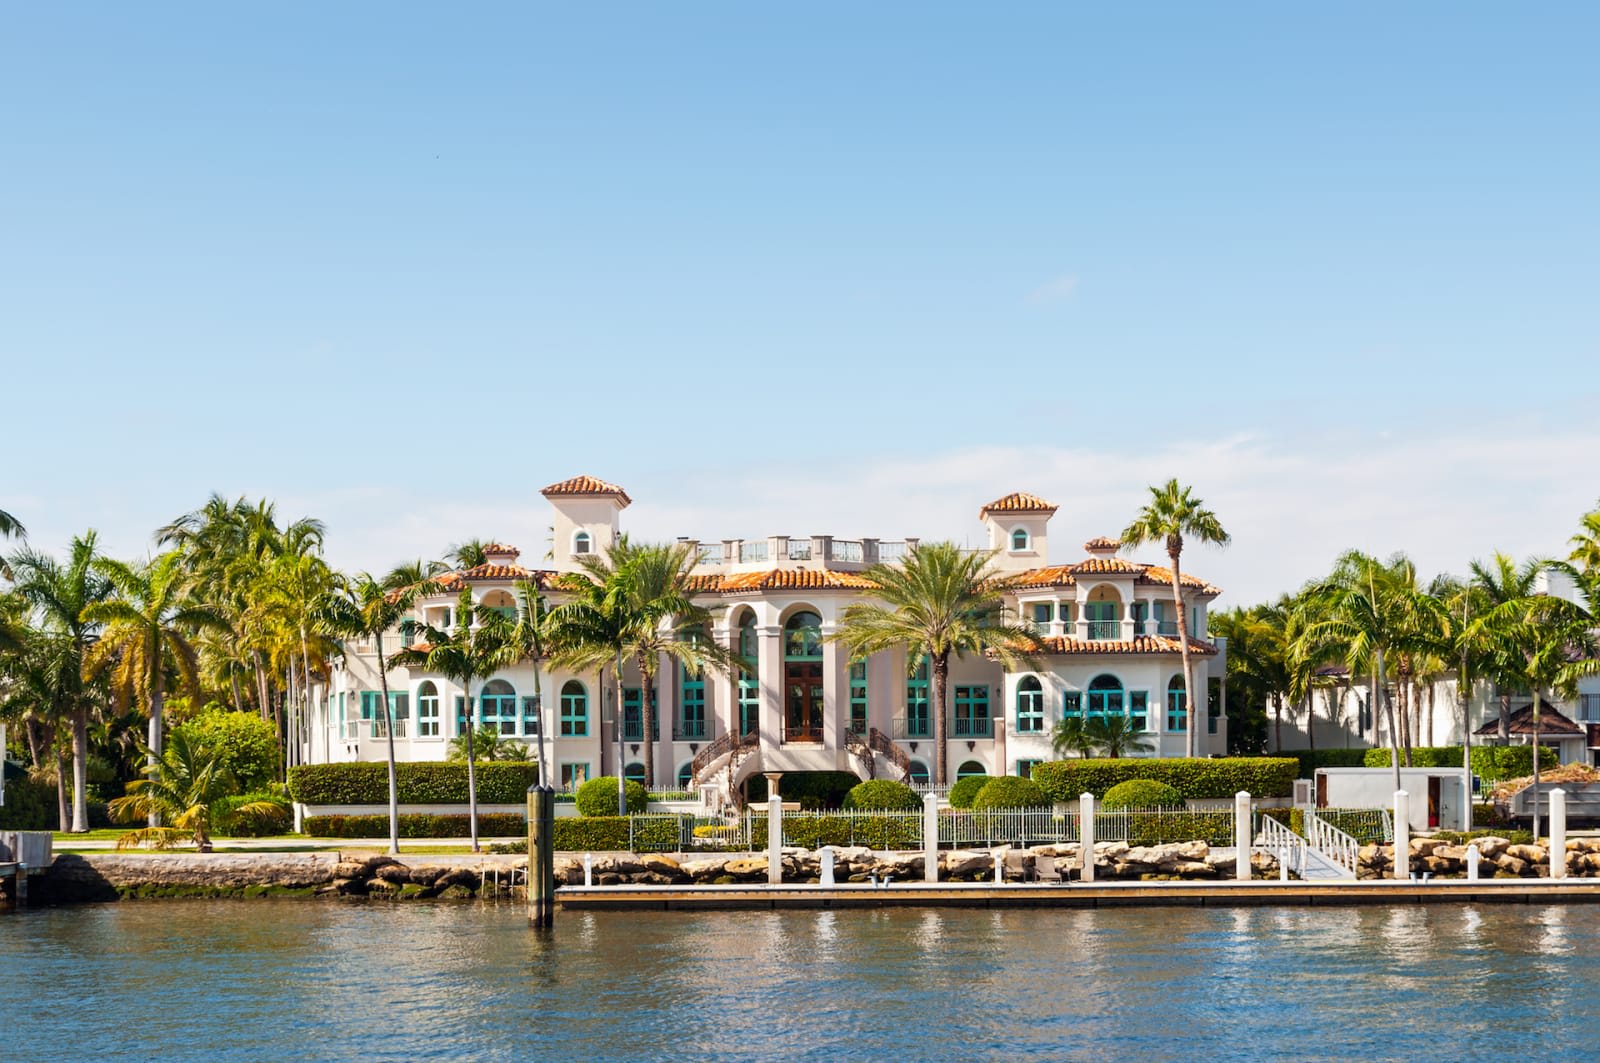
x: 587, y: 834
x: 1293, y: 818
x: 810, y: 832
x: 882, y: 795
x: 414, y: 825
x: 1490, y: 762
x: 598, y: 797
x: 1180, y: 825
x: 30, y: 805
x: 1010, y: 791
x: 246, y: 744
x: 1143, y: 793
x: 1064, y: 780
x: 812, y: 789
x: 1456, y: 837
x: 420, y: 783
x: 962, y: 793
x: 261, y: 825
x: 1312, y: 759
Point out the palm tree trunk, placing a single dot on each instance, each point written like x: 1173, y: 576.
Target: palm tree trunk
x: 1311, y: 721
x: 941, y: 681
x: 233, y: 681
x: 647, y: 716
x: 1277, y: 722
x: 263, y: 694
x: 394, y: 786
x: 158, y: 708
x: 538, y: 716
x: 472, y: 772
x: 80, y: 770
x: 1536, y: 764
x: 305, y: 699
x: 1192, y: 739
x: 1388, y: 709
x: 63, y: 808
x: 1427, y: 736
x: 1505, y: 718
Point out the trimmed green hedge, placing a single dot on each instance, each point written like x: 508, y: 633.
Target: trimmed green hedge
x: 1491, y: 762
x: 1293, y: 818
x: 415, y: 826
x: 1159, y: 828
x: 1312, y: 759
x: 1143, y: 793
x: 598, y: 796
x: 1064, y: 780
x: 809, y: 832
x: 964, y: 790
x: 610, y: 834
x: 882, y: 795
x: 1010, y: 791
x: 420, y: 783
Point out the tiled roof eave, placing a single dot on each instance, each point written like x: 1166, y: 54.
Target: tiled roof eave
x: 1140, y: 644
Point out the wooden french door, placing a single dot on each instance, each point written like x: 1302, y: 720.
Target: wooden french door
x: 802, y: 714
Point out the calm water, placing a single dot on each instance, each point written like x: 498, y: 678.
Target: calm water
x: 266, y: 980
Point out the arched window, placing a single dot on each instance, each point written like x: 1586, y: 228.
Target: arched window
x: 427, y: 710
x: 1019, y: 539
x: 1103, y: 610
x: 802, y: 637
x: 582, y: 543
x: 685, y: 776
x: 919, y: 773
x: 1105, y: 696
x: 969, y: 769
x: 1177, y: 709
x: 499, y: 703
x: 574, y: 710
x: 634, y: 773
x: 1030, y: 706
x: 749, y: 664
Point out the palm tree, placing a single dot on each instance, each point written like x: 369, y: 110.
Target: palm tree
x: 939, y: 601
x: 148, y: 628
x: 475, y: 649
x: 188, y: 786
x: 1558, y: 642
x: 470, y: 554
x: 635, y: 603
x: 1503, y: 583
x: 59, y: 594
x: 11, y: 527
x: 487, y: 744
x: 1171, y: 514
x: 367, y: 608
x: 1113, y: 736
x: 528, y: 637
x: 1586, y: 545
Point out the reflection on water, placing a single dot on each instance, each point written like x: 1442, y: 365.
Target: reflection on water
x: 250, y: 980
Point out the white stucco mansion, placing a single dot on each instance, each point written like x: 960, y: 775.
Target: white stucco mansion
x: 800, y: 704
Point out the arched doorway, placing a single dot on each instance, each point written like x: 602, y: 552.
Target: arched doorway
x: 969, y: 769
x: 802, y: 678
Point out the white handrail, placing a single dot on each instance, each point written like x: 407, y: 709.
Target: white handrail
x: 1331, y: 842
x: 1284, y: 844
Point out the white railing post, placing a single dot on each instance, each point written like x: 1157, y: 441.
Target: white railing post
x: 588, y: 869
x: 827, y: 867
x: 774, y: 840
x: 930, y: 837
x: 1086, y: 836
x: 1241, y: 836
x: 1402, y: 835
x: 1472, y: 863
x: 1558, y: 833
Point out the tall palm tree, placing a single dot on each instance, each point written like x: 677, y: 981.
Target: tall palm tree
x: 1502, y: 582
x: 938, y: 602
x: 365, y: 607
x: 1172, y: 514
x: 1586, y: 545
x: 1112, y: 736
x: 148, y: 628
x: 474, y: 649
x: 635, y: 603
x: 188, y: 785
x: 528, y: 638
x: 59, y: 595
x: 470, y: 554
x: 1558, y: 643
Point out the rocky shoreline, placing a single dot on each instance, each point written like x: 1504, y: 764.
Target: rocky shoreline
x: 1498, y: 858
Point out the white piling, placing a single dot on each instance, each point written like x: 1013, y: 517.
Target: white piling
x: 999, y: 867
x: 1558, y: 833
x: 827, y: 866
x: 930, y: 838
x: 774, y: 840
x: 1402, y: 835
x: 1241, y: 835
x: 1086, y: 836
x: 588, y: 869
x: 1473, y: 857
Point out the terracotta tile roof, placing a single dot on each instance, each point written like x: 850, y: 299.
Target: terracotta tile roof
x: 587, y: 485
x: 420, y: 647
x: 1065, y: 575
x: 1051, y: 576
x: 1551, y: 722
x: 490, y: 572
x: 1137, y: 644
x: 1017, y: 502
x: 1162, y: 575
x: 1101, y: 542
x: 791, y: 579
x: 1096, y: 565
x: 501, y: 550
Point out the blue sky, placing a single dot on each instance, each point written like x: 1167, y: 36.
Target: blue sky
x: 809, y: 270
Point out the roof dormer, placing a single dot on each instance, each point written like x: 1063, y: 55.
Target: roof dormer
x: 1017, y: 529
x: 587, y: 518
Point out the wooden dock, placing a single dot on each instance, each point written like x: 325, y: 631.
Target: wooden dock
x: 1078, y: 895
x: 23, y: 853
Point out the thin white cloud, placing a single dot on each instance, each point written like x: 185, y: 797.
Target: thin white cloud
x: 1055, y: 290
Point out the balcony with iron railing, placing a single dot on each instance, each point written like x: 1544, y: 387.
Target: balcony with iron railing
x: 972, y: 727
x: 911, y: 727
x: 800, y: 549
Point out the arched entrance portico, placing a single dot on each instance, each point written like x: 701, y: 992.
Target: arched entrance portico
x: 802, y: 678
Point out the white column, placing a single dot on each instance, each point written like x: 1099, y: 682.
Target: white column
x: 1086, y: 835
x: 827, y: 866
x: 1558, y: 833
x: 930, y: 838
x: 774, y: 840
x: 1241, y: 835
x: 1472, y: 863
x: 1402, y: 835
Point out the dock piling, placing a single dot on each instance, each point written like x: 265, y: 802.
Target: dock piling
x: 1402, y: 835
x: 1241, y: 835
x: 541, y: 857
x: 1086, y: 836
x: 1558, y: 833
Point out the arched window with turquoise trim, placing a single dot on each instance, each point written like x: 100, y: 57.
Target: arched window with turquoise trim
x: 1177, y: 709
x: 1030, y: 705
x: 499, y: 707
x: 634, y: 773
x: 1019, y: 539
x: 1105, y: 696
x: 918, y: 722
x: 970, y: 768
x: 919, y: 773
x: 685, y: 776
x: 749, y: 669
x: 574, y: 710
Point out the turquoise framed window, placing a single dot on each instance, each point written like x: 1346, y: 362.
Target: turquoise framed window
x: 1104, y: 622
x: 858, y: 697
x: 530, y: 717
x: 634, y: 773
x: 1105, y: 696
x: 1177, y: 709
x: 498, y: 703
x: 1139, y: 709
x: 1019, y: 539
x: 970, y: 768
x: 972, y: 712
x: 463, y: 707
x: 372, y: 712
x: 919, y: 724
x: 574, y: 711
x: 1139, y: 612
x: 408, y: 631
x: 574, y: 775
x: 919, y: 773
x: 428, y: 710
x: 1030, y: 706
x: 633, y: 719
x: 1041, y: 613
x: 749, y: 703
x: 1072, y: 704
x: 400, y: 711
x: 1166, y: 620
x: 685, y: 776
x: 691, y: 707
x: 1025, y: 767
x: 582, y: 543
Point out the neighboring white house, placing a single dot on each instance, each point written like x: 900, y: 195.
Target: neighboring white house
x: 1107, y: 624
